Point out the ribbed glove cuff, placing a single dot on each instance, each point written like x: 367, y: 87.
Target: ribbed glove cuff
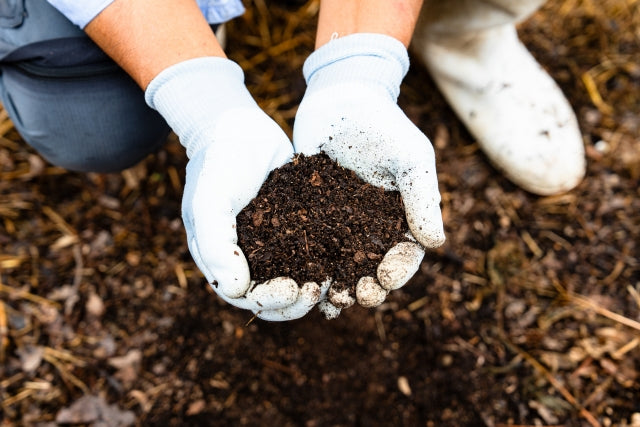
x: 371, y: 59
x: 192, y: 95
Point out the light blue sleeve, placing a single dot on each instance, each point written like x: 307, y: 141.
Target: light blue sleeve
x: 82, y: 12
x: 219, y: 11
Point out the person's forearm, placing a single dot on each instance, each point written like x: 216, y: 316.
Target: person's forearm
x: 144, y: 37
x: 395, y: 18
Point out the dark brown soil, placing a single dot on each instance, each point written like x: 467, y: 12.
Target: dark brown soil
x: 314, y: 219
x: 528, y: 315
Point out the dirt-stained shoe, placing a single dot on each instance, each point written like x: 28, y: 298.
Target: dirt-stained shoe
x: 519, y: 116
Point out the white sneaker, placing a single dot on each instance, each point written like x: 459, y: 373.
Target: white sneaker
x: 519, y: 116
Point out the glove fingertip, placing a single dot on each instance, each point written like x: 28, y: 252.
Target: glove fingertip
x: 421, y: 200
x: 429, y: 234
x: 275, y: 293
x: 399, y: 265
x: 308, y: 296
x: 231, y: 273
x: 369, y: 293
x: 311, y: 293
x: 425, y: 224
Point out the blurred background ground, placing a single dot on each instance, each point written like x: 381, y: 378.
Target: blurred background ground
x: 529, y: 315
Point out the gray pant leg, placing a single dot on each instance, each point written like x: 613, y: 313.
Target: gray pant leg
x: 449, y: 17
x: 93, y: 124
x: 66, y: 98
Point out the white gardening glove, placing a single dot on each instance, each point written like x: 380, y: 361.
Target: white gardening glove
x: 349, y: 111
x: 232, y: 146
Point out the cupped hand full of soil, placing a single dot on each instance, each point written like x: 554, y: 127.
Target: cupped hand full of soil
x: 314, y: 220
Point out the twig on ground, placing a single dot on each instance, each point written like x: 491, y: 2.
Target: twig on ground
x: 22, y: 294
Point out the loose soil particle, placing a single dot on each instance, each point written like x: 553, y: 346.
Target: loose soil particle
x: 314, y: 219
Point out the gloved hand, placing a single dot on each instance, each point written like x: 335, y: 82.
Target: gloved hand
x: 232, y: 146
x: 350, y: 112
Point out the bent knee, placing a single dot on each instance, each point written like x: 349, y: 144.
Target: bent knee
x: 95, y: 124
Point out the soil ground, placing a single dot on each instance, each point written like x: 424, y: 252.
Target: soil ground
x: 528, y: 315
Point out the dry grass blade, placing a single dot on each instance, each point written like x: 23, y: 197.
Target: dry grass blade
x: 64, y: 355
x: 12, y: 204
x: 631, y: 345
x: 417, y: 304
x: 587, y: 303
x: 531, y: 243
x: 22, y: 294
x: 635, y: 294
x: 53, y: 357
x: 5, y: 123
x: 594, y: 94
x: 4, y: 332
x: 12, y: 400
x: 57, y: 219
x: 10, y: 261
x: 554, y: 382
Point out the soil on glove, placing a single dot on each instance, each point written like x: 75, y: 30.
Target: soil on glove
x: 314, y: 219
